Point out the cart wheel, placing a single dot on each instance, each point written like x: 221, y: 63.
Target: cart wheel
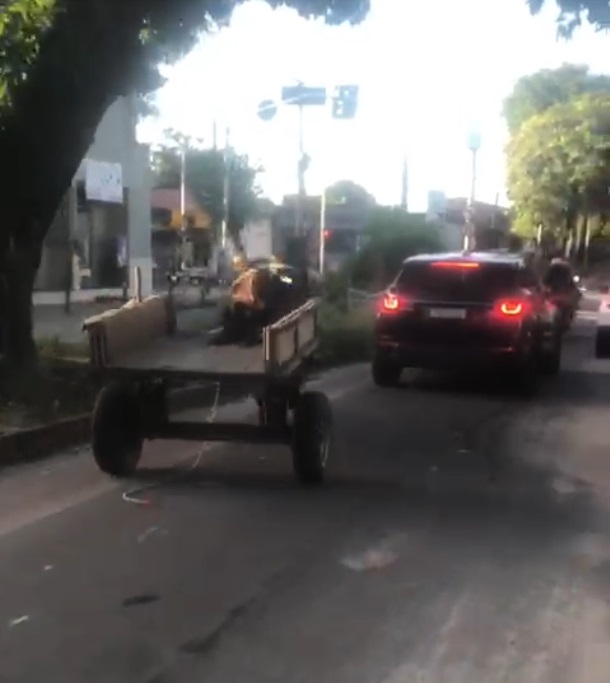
x: 311, y: 437
x: 115, y: 429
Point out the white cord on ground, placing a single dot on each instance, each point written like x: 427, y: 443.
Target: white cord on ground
x: 132, y: 495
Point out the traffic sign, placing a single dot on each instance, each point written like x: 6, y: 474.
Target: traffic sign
x: 304, y: 96
x: 267, y: 110
x: 345, y: 101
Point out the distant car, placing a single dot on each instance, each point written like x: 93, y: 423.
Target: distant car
x: 479, y: 311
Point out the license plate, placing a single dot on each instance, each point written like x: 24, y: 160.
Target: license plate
x: 448, y: 313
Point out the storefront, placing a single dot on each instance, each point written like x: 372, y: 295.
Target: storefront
x: 102, y: 228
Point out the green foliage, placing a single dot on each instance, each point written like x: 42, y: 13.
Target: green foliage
x: 345, y: 336
x: 558, y: 158
x: 393, y: 235
x: 349, y: 192
x: 573, y: 13
x: 205, y: 178
x: 535, y: 93
x: 22, y: 23
x: 162, y: 31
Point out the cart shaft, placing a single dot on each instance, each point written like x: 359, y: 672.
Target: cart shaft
x: 221, y: 431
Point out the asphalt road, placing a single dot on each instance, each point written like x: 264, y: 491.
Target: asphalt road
x: 411, y: 566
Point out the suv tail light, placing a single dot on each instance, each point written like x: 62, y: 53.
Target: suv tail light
x: 511, y: 309
x: 392, y: 303
x: 457, y: 265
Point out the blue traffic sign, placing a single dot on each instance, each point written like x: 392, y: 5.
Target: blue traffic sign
x: 267, y: 109
x: 303, y: 95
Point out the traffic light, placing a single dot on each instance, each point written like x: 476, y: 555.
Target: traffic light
x: 345, y: 101
x: 327, y: 234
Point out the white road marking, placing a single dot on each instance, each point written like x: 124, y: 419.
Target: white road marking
x: 19, y: 620
x: 149, y: 532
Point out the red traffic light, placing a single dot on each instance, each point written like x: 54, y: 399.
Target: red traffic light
x: 327, y: 234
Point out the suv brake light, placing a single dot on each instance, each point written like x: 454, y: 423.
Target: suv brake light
x: 391, y: 303
x: 510, y: 308
x: 468, y: 265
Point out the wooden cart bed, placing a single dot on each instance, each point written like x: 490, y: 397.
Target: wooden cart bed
x: 193, y: 353
x: 141, y: 338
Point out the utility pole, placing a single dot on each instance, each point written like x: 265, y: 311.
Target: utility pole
x: 474, y: 143
x: 302, y: 96
x: 224, y: 229
x: 183, y: 222
x: 322, y: 236
x: 404, y: 194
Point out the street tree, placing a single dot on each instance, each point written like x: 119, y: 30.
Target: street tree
x: 62, y: 64
x: 393, y: 235
x: 205, y: 175
x: 558, y: 164
x: 535, y: 93
x: 349, y: 192
x: 573, y: 13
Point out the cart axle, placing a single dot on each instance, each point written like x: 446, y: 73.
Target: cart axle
x: 221, y: 431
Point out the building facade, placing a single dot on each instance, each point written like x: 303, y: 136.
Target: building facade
x: 102, y: 229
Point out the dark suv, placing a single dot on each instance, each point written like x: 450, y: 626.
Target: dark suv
x: 480, y: 310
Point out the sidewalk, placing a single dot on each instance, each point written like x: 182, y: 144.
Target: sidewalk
x: 52, y: 322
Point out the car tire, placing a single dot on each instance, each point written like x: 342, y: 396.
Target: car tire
x: 550, y: 362
x: 602, y: 342
x: 526, y: 377
x: 385, y: 373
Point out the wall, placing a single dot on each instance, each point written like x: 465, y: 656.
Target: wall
x: 115, y: 141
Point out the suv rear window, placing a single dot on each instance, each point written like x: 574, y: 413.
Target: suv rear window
x: 485, y: 283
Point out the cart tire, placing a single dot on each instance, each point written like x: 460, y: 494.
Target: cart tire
x: 311, y: 437
x: 115, y: 430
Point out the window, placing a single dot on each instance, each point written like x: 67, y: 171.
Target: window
x: 486, y: 283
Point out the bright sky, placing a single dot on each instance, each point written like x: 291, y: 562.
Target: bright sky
x: 429, y: 71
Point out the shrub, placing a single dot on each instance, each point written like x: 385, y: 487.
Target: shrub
x: 345, y: 336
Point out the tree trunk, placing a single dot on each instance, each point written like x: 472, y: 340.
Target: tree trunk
x: 16, y: 305
x: 81, y: 68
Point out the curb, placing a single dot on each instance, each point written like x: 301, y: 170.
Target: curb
x: 39, y: 443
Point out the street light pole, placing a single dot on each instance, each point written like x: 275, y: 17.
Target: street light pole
x: 298, y: 214
x: 183, y: 224
x: 322, y: 248
x: 474, y: 143
x: 224, y: 229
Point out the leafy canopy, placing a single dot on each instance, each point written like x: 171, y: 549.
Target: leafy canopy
x: 535, y: 93
x: 22, y: 23
x: 161, y: 31
x: 573, y: 13
x: 204, y: 178
x: 559, y: 159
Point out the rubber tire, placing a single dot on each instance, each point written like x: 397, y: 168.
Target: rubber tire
x: 312, y: 433
x: 550, y: 363
x: 116, y: 437
x: 385, y: 374
x: 602, y: 342
x: 526, y: 378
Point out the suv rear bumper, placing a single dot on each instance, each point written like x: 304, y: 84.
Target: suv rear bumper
x: 449, y: 358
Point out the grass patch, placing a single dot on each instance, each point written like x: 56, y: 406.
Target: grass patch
x: 54, y: 391
x: 345, y: 336
x: 54, y: 347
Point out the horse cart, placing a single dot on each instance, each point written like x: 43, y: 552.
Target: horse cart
x: 139, y: 351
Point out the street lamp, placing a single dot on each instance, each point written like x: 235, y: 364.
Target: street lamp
x: 474, y: 144
x: 322, y: 236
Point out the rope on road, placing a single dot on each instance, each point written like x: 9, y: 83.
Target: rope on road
x: 133, y: 495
